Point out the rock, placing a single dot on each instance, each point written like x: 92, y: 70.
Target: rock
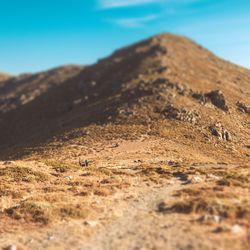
x: 173, y: 163
x: 207, y: 218
x: 138, y: 161
x: 51, y: 237
x: 84, y: 163
x: 199, y: 96
x: 212, y: 177
x: 11, y: 247
x: 216, y: 97
x: 69, y: 178
x: 222, y: 228
x: 237, y: 229
x: 219, y: 131
x: 196, y: 179
x: 115, y: 145
x: 77, y: 101
x: 161, y: 69
x: 160, y: 81
x: 91, y: 223
x: 162, y: 207
x: 243, y: 107
x: 8, y: 162
x: 181, y: 114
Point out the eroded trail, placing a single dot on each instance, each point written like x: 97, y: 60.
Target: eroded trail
x: 130, y: 221
x: 140, y: 226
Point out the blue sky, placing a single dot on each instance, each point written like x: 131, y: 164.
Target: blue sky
x: 39, y: 34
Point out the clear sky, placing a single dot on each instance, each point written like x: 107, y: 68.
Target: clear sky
x: 39, y: 34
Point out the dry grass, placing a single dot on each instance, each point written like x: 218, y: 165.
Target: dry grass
x: 22, y: 174
x: 230, y: 205
x: 45, y: 212
x: 221, y: 191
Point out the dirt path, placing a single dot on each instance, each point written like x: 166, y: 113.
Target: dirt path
x: 130, y: 221
x: 140, y: 227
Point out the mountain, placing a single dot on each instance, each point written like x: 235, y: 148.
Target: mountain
x: 145, y: 149
x: 165, y: 78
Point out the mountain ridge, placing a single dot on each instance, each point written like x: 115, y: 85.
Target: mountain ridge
x: 135, y: 84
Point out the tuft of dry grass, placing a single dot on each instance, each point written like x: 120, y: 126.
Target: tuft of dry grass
x: 44, y: 212
x: 62, y: 167
x: 25, y: 174
x: 211, y: 201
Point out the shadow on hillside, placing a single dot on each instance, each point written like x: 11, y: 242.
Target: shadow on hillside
x: 93, y: 96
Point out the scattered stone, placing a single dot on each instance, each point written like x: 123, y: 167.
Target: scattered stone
x: 216, y: 97
x: 207, y: 218
x: 219, y: 131
x: 222, y: 228
x: 163, y: 83
x: 243, y: 107
x: 11, y: 247
x: 212, y: 177
x: 51, y: 237
x: 93, y: 83
x: 199, y: 96
x: 91, y: 223
x: 69, y: 178
x: 196, y: 179
x: 137, y: 161
x: 161, y: 69
x: 84, y: 163
x: 159, y: 81
x: 237, y: 229
x: 162, y: 207
x: 85, y: 132
x: 8, y: 163
x: 77, y: 101
x: 173, y: 163
x: 181, y: 89
x: 115, y: 145
x: 181, y: 114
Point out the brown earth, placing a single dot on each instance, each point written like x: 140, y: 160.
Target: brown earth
x: 4, y: 77
x: 147, y: 149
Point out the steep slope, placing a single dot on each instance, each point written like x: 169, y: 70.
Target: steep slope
x: 20, y: 90
x: 165, y: 78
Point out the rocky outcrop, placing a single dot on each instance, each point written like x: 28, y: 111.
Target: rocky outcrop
x: 215, y: 97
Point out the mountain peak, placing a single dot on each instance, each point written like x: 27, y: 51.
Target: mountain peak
x: 163, y: 77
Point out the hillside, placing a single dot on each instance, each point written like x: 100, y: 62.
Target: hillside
x: 130, y: 85
x: 20, y: 90
x: 4, y: 77
x: 162, y: 111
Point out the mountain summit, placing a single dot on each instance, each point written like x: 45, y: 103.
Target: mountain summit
x: 166, y: 77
